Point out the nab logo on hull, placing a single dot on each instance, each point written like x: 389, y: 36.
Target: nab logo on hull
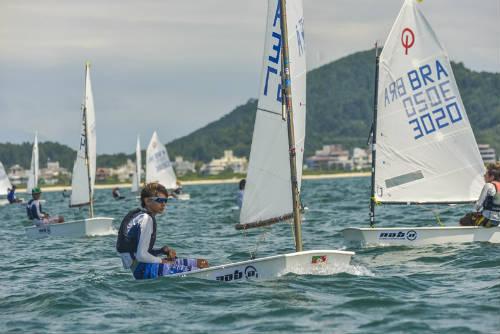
x: 400, y: 235
x: 249, y: 273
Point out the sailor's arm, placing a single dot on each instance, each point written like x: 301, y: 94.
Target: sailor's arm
x: 142, y: 254
x: 480, y: 202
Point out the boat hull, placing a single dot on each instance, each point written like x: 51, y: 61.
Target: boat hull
x: 316, y: 262
x: 414, y: 236
x: 183, y: 197
x: 74, y: 229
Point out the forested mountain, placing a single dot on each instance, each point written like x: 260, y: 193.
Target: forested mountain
x: 339, y: 110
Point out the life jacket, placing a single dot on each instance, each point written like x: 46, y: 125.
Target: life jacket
x: 492, y: 203
x: 11, y: 196
x: 31, y: 210
x: 127, y: 242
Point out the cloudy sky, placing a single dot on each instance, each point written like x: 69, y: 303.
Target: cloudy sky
x: 174, y: 66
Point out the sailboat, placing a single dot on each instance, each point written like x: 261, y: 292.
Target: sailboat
x: 136, y: 178
x: 275, y: 169
x: 5, y: 185
x: 34, y: 171
x: 83, y: 179
x: 423, y: 147
x: 159, y: 167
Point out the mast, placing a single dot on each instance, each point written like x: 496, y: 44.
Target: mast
x: 87, y: 163
x: 374, y: 140
x: 287, y: 100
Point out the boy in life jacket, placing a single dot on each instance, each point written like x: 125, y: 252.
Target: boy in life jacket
x: 137, y: 236
x: 35, y: 213
x: 487, y: 207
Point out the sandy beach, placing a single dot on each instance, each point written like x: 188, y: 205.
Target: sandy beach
x: 203, y: 182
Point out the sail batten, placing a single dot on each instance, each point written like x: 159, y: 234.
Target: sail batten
x: 426, y: 150
x: 158, y: 165
x: 268, y: 188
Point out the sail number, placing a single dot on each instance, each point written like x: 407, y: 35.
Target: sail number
x: 273, y: 68
x: 427, y: 97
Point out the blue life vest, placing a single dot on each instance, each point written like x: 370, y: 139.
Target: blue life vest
x: 11, y: 196
x: 128, y: 240
x: 31, y: 210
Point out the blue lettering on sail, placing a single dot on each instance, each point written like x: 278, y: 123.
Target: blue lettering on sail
x: 274, y: 56
x: 427, y: 99
x: 277, y: 15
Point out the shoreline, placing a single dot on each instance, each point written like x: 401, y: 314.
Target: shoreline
x: 202, y: 182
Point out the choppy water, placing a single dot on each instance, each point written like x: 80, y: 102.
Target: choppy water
x: 79, y: 286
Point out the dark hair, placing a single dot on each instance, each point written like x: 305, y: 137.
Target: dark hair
x: 495, y: 173
x: 243, y: 182
x: 151, y: 190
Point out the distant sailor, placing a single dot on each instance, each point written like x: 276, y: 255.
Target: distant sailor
x: 137, y: 236
x: 116, y: 193
x: 11, y: 196
x: 488, y: 204
x: 239, y: 197
x: 487, y: 208
x: 35, y: 213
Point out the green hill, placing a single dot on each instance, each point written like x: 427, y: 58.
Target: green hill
x: 339, y: 110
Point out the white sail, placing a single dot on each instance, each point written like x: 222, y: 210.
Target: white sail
x: 4, y: 181
x: 426, y: 150
x: 82, y: 191
x: 158, y: 166
x: 34, y: 170
x: 136, y: 179
x: 268, y: 192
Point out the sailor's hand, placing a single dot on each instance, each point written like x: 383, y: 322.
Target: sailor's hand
x: 201, y: 263
x: 169, y: 252
x: 166, y: 261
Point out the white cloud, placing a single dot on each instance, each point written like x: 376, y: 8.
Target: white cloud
x: 178, y: 65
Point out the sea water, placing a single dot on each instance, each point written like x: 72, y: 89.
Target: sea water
x: 57, y: 285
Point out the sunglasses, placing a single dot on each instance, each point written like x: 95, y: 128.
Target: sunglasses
x: 160, y: 200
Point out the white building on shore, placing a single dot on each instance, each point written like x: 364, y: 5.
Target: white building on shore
x: 228, y: 161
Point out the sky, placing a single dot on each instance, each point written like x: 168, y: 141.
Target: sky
x: 175, y: 66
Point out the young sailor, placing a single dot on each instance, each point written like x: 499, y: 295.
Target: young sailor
x: 11, y: 196
x: 241, y: 191
x: 488, y: 204
x: 35, y: 213
x: 137, y: 236
x: 486, y: 211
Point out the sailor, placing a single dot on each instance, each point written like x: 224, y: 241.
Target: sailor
x: 137, y: 236
x: 35, y: 213
x: 116, y: 193
x: 239, y: 196
x: 11, y: 196
x: 488, y: 204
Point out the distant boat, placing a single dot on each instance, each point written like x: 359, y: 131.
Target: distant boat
x: 34, y: 170
x: 275, y: 168
x: 5, y: 185
x: 423, y: 147
x: 159, y: 167
x: 83, y: 180
x: 136, y: 178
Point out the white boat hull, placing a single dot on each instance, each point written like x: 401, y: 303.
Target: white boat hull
x: 183, y: 197
x: 414, y: 236
x: 315, y: 262
x: 74, y: 229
